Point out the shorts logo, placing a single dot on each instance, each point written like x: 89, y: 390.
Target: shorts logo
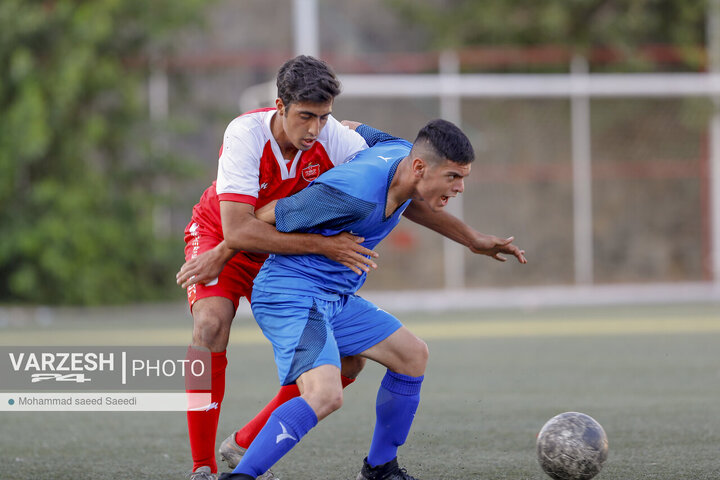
x: 311, y: 172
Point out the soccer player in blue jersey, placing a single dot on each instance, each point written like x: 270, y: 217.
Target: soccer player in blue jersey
x: 307, y: 307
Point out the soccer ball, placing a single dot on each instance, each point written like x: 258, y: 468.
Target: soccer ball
x: 572, y: 446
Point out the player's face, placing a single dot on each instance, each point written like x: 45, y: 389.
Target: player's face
x: 440, y: 182
x: 303, y: 121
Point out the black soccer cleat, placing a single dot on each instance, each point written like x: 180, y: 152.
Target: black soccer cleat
x: 235, y: 476
x: 386, y: 471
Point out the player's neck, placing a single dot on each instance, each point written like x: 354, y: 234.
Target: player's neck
x: 287, y: 149
x: 401, y: 188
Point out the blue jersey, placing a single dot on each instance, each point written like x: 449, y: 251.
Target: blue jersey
x: 351, y: 197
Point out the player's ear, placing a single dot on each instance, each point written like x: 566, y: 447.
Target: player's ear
x: 280, y: 106
x: 419, y: 166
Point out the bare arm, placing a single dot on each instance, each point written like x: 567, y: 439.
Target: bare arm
x: 267, y: 213
x: 457, y: 230
x: 245, y: 232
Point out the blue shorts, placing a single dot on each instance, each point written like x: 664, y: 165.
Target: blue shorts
x: 307, y: 332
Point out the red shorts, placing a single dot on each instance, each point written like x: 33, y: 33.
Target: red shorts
x: 235, y: 279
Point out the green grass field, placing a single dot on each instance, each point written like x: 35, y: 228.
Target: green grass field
x: 649, y: 374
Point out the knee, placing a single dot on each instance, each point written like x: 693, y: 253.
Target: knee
x: 352, y: 366
x: 325, y: 399
x: 207, y: 324
x: 418, y: 354
x: 211, y: 327
x: 332, y: 398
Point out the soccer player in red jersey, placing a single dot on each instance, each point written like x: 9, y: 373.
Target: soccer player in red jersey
x: 266, y: 154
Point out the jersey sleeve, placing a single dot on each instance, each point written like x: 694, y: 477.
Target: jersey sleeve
x: 343, y: 143
x: 373, y: 136
x: 320, y: 206
x: 239, y: 163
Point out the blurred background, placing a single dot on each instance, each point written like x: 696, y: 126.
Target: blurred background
x: 594, y: 122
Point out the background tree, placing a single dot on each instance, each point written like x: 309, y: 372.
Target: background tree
x: 77, y: 167
x: 624, y: 25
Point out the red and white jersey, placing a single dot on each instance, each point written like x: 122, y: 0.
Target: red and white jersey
x: 252, y: 170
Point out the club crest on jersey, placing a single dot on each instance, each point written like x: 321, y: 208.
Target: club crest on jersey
x: 311, y: 172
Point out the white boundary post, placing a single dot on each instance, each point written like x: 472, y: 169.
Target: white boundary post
x: 582, y: 174
x: 713, y: 35
x: 451, y: 110
x: 305, y: 26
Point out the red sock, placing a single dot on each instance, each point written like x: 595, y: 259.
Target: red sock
x: 247, y: 434
x: 346, y: 381
x: 202, y: 425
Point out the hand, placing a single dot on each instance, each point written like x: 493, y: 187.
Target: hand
x: 203, y: 268
x: 345, y: 249
x: 493, y: 246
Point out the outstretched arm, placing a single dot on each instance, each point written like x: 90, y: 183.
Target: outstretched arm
x: 443, y: 222
x: 457, y: 230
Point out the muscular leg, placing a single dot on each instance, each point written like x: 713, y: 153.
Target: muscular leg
x: 405, y: 356
x: 212, y: 317
x: 321, y: 395
x: 321, y: 389
x: 402, y: 352
x: 351, y: 368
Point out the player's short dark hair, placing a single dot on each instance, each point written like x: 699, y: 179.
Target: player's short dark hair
x: 306, y: 79
x: 447, y: 140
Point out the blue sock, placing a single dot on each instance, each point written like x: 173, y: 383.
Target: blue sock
x: 283, y: 430
x: 397, y: 401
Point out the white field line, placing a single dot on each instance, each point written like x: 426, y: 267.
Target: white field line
x: 442, y: 329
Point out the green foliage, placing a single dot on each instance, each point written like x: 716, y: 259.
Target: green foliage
x: 582, y: 24
x: 78, y: 164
